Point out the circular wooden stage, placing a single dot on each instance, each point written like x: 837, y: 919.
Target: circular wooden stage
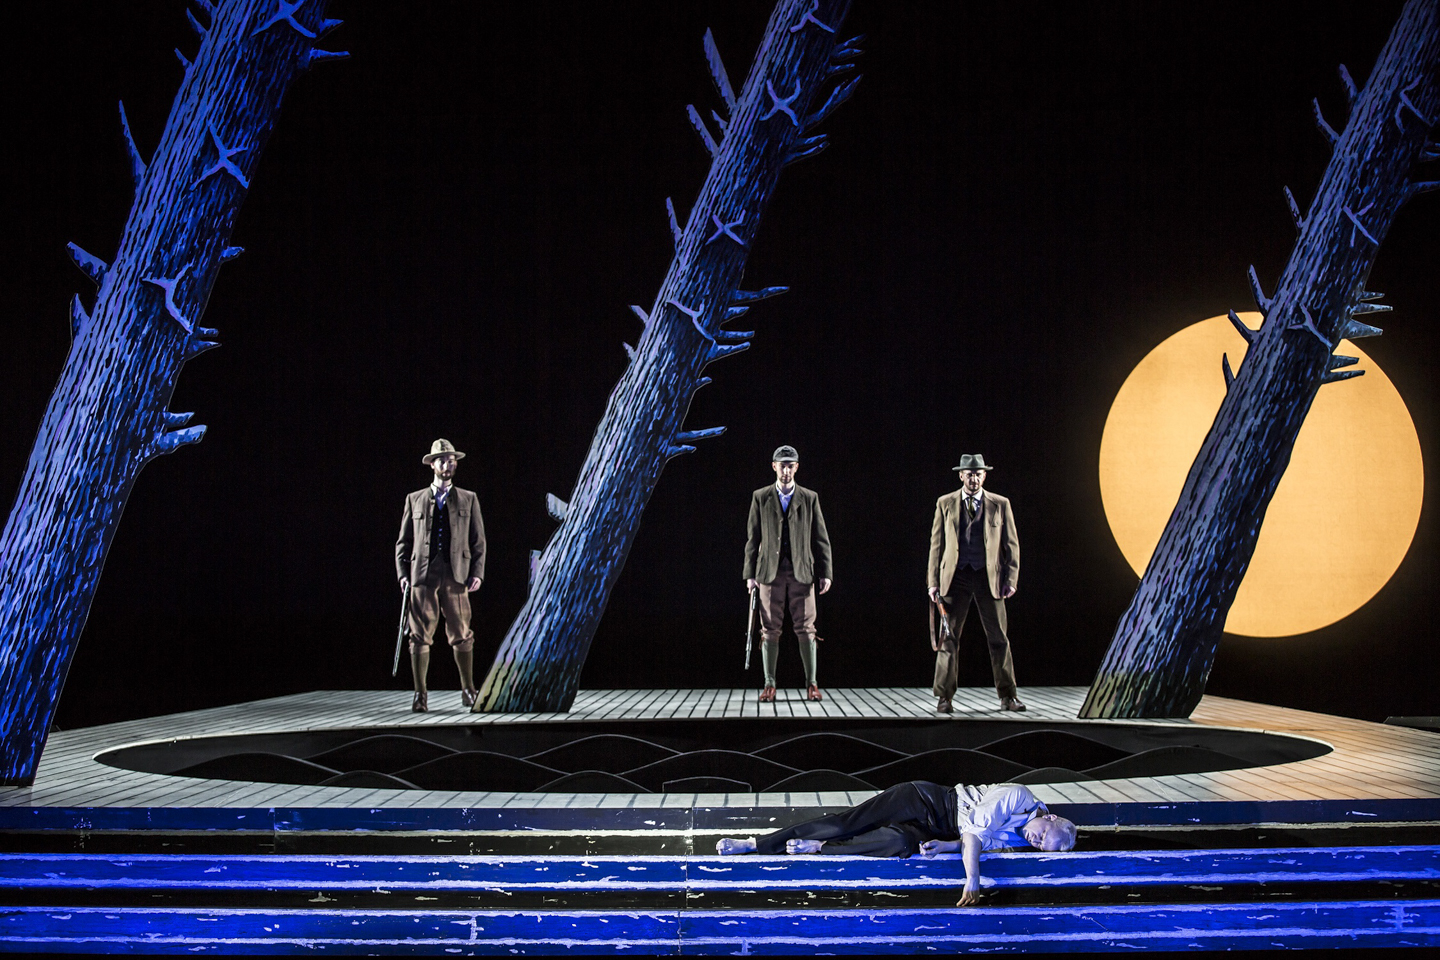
x: 1340, y: 847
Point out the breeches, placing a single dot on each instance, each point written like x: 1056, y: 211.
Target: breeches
x: 893, y: 823
x: 972, y: 585
x: 439, y: 593
x: 787, y: 593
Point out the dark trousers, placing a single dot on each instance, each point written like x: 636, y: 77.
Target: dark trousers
x: 892, y: 823
x: 973, y: 585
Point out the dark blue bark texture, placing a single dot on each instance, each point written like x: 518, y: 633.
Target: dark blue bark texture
x: 1164, y: 646
x: 769, y: 125
x: 108, y: 416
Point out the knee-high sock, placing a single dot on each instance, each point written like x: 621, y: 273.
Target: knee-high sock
x: 808, y: 647
x: 465, y: 660
x: 420, y: 666
x: 770, y: 658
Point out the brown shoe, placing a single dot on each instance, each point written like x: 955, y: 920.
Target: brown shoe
x: 767, y: 695
x: 421, y: 703
x: 1013, y: 704
x: 812, y: 692
x: 944, y: 706
x: 468, y: 697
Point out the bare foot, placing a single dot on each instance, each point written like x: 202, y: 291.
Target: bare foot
x: 728, y: 847
x: 803, y: 846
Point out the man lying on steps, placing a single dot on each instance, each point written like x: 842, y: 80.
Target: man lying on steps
x: 927, y: 818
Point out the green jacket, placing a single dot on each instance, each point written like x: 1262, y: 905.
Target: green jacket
x: 467, y: 536
x: 809, y: 540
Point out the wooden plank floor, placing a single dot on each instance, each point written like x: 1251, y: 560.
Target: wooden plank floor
x: 1368, y: 762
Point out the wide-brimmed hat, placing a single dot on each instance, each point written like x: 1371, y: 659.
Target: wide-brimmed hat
x: 973, y: 461
x: 785, y: 454
x: 439, y: 449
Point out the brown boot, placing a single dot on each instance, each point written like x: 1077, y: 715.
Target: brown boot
x: 419, y: 669
x: 465, y: 661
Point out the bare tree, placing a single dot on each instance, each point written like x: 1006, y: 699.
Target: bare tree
x: 766, y: 127
x: 107, y: 416
x: 1164, y: 645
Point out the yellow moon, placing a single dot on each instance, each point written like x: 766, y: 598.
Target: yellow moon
x: 1343, y: 516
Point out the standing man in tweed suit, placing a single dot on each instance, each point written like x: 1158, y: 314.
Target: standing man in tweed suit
x: 787, y: 552
x: 974, y: 557
x: 440, y: 559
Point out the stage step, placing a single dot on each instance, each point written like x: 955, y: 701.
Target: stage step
x: 805, y: 932
x: 583, y: 874
x: 603, y: 840
x: 1087, y: 901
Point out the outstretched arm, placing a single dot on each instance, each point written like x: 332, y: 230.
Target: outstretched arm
x: 970, y: 854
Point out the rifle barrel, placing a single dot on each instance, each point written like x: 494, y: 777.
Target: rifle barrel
x: 750, y: 627
x: 400, y: 634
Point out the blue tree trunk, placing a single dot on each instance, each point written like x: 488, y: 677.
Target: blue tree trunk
x: 108, y: 416
x: 1165, y: 644
x: 539, y: 662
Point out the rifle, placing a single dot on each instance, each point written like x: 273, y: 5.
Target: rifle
x: 400, y: 636
x: 750, y: 628
x: 943, y: 633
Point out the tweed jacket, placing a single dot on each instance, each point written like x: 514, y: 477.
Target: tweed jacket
x: 1002, y: 544
x: 467, y: 535
x: 809, y: 540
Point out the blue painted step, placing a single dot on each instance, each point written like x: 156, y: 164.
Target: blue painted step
x: 1014, y: 930
x: 310, y: 872
x: 698, y: 818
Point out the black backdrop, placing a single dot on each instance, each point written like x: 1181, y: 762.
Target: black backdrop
x: 444, y: 233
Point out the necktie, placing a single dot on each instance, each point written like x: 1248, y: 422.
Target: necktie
x: 970, y: 508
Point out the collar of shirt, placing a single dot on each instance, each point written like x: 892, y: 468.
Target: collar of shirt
x: 977, y: 496
x: 994, y: 814
x: 440, y: 491
x: 785, y: 495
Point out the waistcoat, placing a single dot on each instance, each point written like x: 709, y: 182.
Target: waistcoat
x: 972, y: 537
x: 440, y: 535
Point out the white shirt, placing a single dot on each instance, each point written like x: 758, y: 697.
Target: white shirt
x: 440, y: 491
x: 994, y: 813
x: 784, y: 496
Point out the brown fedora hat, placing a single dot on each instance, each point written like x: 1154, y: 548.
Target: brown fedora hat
x: 439, y: 449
